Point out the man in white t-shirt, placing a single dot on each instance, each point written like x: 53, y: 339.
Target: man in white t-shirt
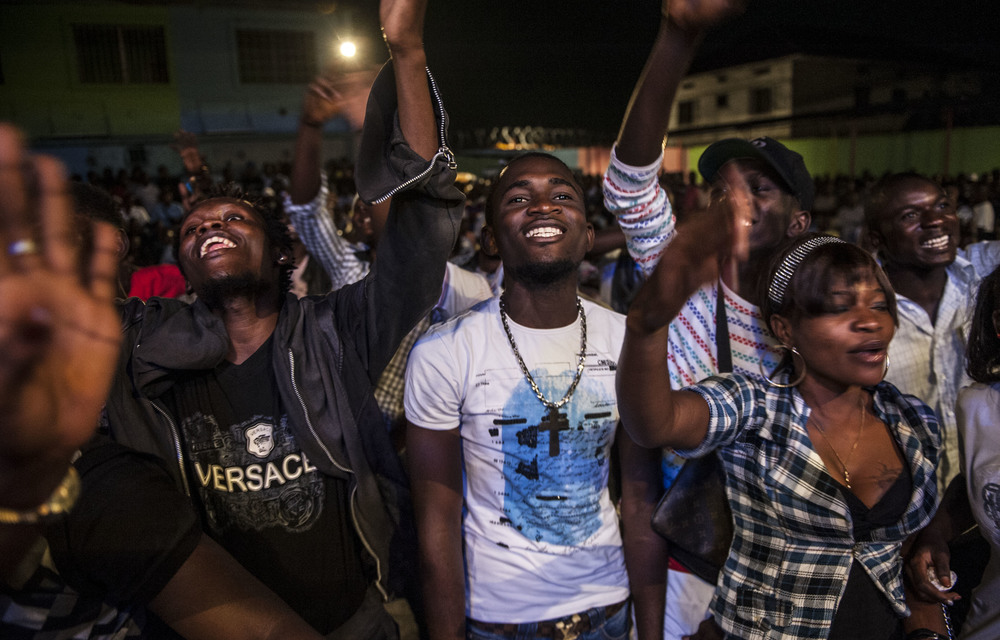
x: 512, y: 414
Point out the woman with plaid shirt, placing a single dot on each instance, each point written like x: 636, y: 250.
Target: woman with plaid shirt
x: 828, y: 467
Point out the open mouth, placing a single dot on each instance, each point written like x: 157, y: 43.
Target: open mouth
x: 544, y: 232
x: 214, y: 243
x: 872, y: 352
x: 937, y: 244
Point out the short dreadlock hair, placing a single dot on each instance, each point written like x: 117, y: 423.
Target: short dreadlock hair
x: 275, y: 226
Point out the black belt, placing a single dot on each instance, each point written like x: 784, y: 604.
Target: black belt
x: 558, y: 629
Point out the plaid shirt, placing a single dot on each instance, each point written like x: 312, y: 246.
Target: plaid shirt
x: 460, y: 290
x: 341, y: 259
x: 343, y: 262
x: 793, y: 545
x: 45, y: 608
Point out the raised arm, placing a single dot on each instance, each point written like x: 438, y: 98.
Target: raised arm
x: 404, y: 155
x: 320, y: 104
x: 652, y: 413
x: 631, y: 188
x: 640, y: 140
x: 403, y: 28
x: 328, y: 96
x: 198, y: 180
x: 59, y: 336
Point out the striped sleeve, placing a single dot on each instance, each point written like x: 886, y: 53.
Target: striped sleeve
x: 635, y: 197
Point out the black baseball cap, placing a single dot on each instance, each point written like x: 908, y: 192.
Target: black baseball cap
x: 789, y: 166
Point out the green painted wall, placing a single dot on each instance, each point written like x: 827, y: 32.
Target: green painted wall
x: 973, y: 150
x: 41, y: 93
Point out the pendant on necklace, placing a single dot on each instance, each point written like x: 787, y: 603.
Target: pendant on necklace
x: 554, y: 423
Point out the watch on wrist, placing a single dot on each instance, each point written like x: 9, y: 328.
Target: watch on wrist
x: 60, y: 502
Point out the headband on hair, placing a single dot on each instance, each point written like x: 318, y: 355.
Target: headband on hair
x: 783, y: 274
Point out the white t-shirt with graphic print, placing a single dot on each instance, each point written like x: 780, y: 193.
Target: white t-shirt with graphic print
x: 541, y: 534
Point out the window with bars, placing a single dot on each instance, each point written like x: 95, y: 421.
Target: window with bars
x: 276, y: 57
x: 121, y: 54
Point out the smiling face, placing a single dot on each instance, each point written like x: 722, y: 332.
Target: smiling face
x: 777, y: 214
x: 226, y: 240
x: 913, y: 224
x: 847, y: 342
x: 538, y: 222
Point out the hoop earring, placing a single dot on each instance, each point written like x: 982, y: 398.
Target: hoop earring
x: 885, y: 367
x: 787, y: 385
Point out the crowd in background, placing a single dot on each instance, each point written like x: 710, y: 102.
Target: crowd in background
x: 152, y: 207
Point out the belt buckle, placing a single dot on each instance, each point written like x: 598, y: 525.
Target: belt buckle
x: 567, y: 628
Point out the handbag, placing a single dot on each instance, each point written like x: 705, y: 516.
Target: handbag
x: 694, y: 517
x: 694, y: 514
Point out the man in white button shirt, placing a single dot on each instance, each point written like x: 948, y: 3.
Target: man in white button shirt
x: 914, y: 228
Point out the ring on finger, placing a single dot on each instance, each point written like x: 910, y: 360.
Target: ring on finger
x: 22, y: 247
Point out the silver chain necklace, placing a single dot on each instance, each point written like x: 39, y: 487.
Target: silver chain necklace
x: 551, y: 406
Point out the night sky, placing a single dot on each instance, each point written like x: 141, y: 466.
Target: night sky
x: 572, y: 63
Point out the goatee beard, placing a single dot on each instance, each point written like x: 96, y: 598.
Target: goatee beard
x: 544, y: 274
x: 216, y: 293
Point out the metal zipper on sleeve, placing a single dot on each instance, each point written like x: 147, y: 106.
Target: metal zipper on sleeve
x: 442, y: 152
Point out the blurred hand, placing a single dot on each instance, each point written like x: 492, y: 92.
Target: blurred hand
x: 719, y: 235
x: 701, y: 14
x: 733, y: 208
x: 59, y: 330
x: 705, y: 244
x: 338, y: 93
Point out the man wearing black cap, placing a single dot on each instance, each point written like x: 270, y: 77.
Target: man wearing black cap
x: 783, y: 193
x: 782, y: 196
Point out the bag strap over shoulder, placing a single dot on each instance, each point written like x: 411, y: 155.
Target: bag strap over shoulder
x: 724, y: 352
